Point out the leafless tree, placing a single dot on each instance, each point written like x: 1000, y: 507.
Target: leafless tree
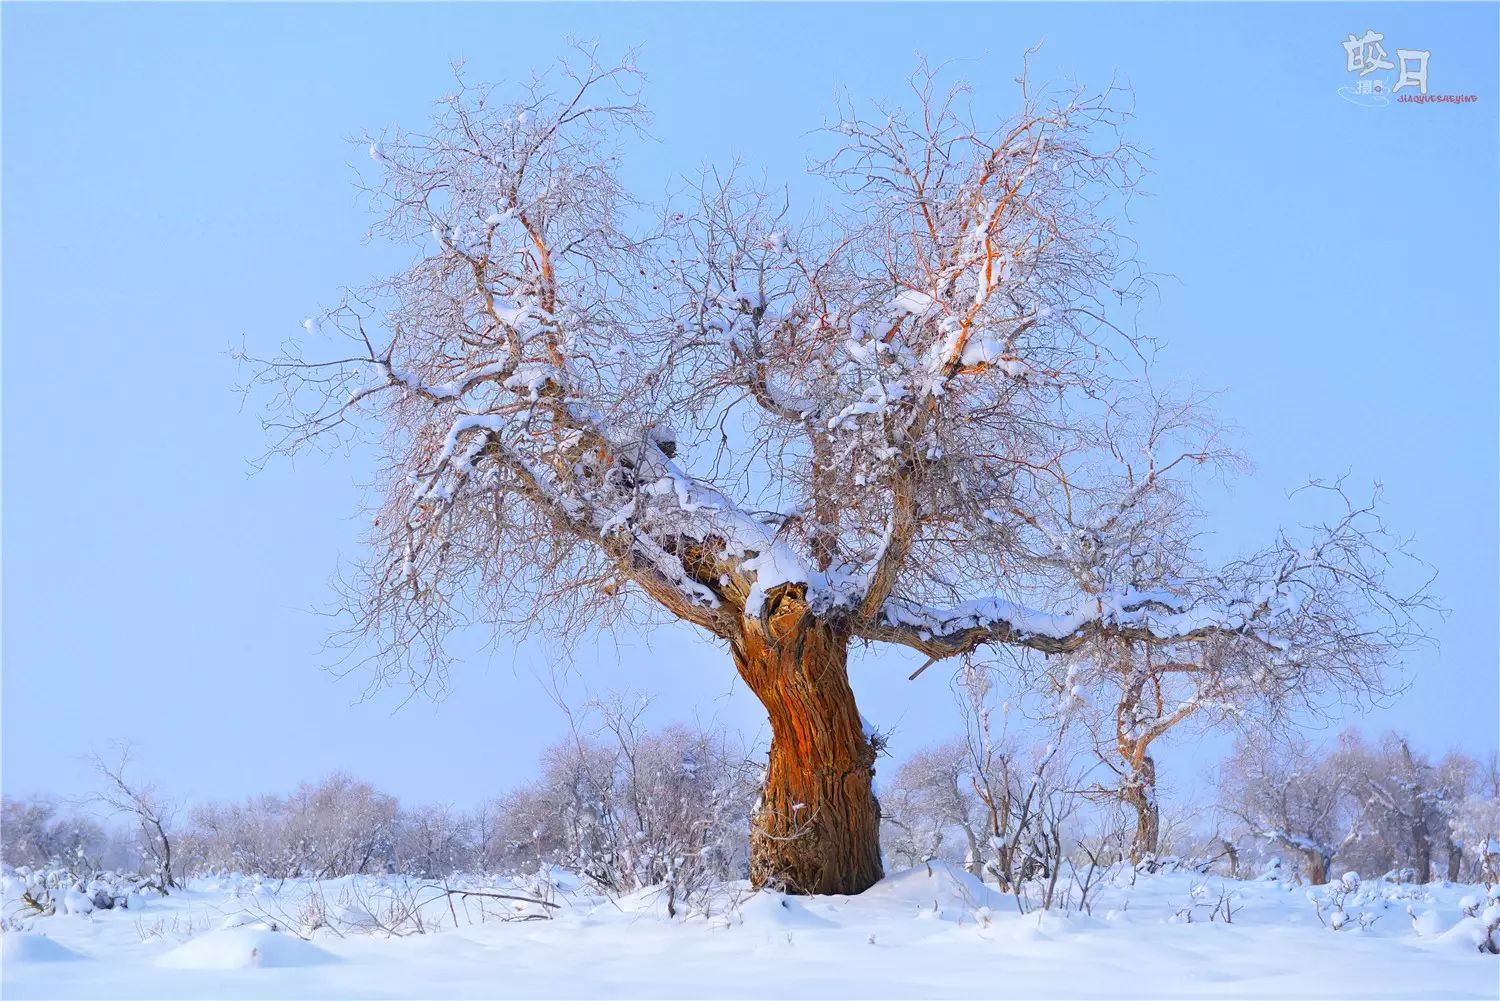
x: 1012, y: 805
x: 793, y: 435
x: 1377, y: 807
x: 434, y: 842
x: 930, y: 799
x: 338, y: 826
x: 1412, y: 803
x: 1317, y: 619
x: 122, y: 795
x: 1299, y: 797
x: 33, y: 833
x: 1475, y: 827
x: 629, y: 808
x: 1025, y: 794
x: 1454, y: 780
x: 1403, y: 808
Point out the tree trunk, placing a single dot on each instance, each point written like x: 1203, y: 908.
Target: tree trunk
x: 1420, y: 836
x: 1318, y: 864
x: 973, y: 857
x: 817, y: 826
x: 1140, y: 793
x: 1233, y: 854
x: 1421, y: 852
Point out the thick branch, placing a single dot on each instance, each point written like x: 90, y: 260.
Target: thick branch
x: 1147, y: 617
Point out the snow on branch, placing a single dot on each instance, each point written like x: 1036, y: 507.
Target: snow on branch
x: 882, y: 410
x: 1324, y: 610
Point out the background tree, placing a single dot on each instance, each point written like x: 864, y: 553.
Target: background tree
x: 931, y: 802
x: 794, y: 436
x: 1377, y: 808
x: 1338, y: 623
x: 1455, y: 776
x: 433, y: 842
x: 1474, y: 824
x: 121, y: 794
x: 338, y: 826
x: 627, y: 808
x: 34, y: 833
x: 1295, y: 798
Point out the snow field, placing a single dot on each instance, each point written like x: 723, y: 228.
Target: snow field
x: 933, y: 931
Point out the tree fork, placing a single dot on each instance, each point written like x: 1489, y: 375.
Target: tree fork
x: 817, y: 827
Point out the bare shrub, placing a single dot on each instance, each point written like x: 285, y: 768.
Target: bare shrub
x: 334, y: 827
x: 434, y: 841
x: 628, y: 808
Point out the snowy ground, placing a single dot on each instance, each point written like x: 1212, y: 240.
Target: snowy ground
x: 921, y: 933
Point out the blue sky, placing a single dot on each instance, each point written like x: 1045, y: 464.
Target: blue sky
x: 175, y: 181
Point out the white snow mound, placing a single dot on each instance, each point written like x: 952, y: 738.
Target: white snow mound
x: 25, y: 947
x: 1467, y: 935
x: 770, y: 909
x: 935, y: 886
x: 242, y: 949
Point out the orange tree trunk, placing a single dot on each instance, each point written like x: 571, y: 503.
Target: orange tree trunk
x: 817, y: 827
x: 1318, y: 864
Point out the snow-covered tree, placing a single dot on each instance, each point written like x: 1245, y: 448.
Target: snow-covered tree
x: 241, y: 837
x: 1299, y: 625
x: 346, y: 825
x: 34, y: 833
x: 626, y: 807
x: 1377, y: 807
x: 121, y: 794
x: 794, y: 436
x: 1475, y: 827
x: 984, y: 802
x: 1298, y: 797
x: 1403, y: 805
x: 334, y: 827
x: 1464, y: 796
x: 434, y: 841
x: 930, y: 808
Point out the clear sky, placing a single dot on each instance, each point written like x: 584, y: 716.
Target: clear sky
x: 175, y: 181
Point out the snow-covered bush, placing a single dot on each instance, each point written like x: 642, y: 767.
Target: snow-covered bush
x: 1481, y: 913
x: 626, y: 808
x: 44, y: 891
x: 1341, y: 903
x: 1475, y: 827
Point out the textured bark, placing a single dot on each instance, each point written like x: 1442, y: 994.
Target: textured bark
x: 1140, y: 794
x: 817, y: 828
